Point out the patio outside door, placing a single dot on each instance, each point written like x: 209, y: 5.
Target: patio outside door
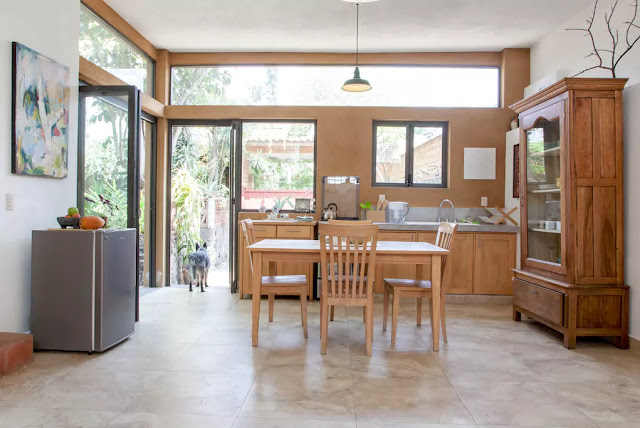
x: 108, y: 157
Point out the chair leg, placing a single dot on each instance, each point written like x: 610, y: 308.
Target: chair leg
x: 368, y: 328
x: 430, y: 310
x: 324, y: 327
x: 303, y: 313
x: 442, y: 320
x: 364, y: 314
x: 271, y: 305
x: 331, y: 316
x: 394, y: 317
x: 385, y: 308
x: 419, y: 311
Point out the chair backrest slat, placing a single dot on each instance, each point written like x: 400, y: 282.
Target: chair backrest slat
x: 348, y: 252
x: 444, y: 239
x: 249, y: 237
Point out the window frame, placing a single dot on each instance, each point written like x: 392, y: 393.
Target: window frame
x: 103, y: 21
x: 409, y: 153
x: 239, y: 158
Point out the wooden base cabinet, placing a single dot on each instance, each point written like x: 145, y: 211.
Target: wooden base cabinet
x: 573, y: 310
x: 494, y: 258
x: 480, y: 263
x: 274, y: 230
x: 571, y: 205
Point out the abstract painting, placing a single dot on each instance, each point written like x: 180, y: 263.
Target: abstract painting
x: 40, y: 134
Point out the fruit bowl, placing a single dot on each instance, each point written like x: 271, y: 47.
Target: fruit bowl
x: 73, y: 222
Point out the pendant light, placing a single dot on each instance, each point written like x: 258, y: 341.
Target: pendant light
x: 357, y: 84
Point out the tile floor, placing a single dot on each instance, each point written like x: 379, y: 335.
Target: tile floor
x: 191, y: 364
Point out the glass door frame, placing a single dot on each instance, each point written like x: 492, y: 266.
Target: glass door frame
x: 133, y: 164
x: 233, y: 227
x: 549, y: 111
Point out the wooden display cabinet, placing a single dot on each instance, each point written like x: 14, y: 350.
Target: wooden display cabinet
x: 572, y: 231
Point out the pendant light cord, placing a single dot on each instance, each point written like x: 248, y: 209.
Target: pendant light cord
x: 357, y: 31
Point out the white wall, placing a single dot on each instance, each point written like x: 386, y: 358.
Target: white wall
x: 51, y: 28
x: 565, y: 51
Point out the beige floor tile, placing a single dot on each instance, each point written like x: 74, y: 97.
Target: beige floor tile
x: 290, y: 423
x: 605, y: 402
x: 301, y: 394
x: 197, y: 393
x: 221, y: 359
x: 87, y: 388
x: 518, y: 403
x: 155, y: 420
x: 408, y: 400
x: 396, y: 364
x: 191, y: 363
x: 53, y: 418
x: 410, y: 425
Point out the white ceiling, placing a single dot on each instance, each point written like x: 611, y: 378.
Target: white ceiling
x: 329, y: 25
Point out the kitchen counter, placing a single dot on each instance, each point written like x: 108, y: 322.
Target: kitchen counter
x: 287, y: 222
x: 462, y: 227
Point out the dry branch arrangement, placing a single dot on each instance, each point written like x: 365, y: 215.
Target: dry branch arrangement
x: 617, y: 51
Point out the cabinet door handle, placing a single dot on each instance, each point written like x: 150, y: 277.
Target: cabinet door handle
x: 533, y: 292
x: 260, y: 230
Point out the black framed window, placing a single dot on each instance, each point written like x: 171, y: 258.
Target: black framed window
x: 410, y: 154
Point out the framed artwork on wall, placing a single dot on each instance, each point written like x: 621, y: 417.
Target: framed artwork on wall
x: 516, y: 171
x: 40, y: 114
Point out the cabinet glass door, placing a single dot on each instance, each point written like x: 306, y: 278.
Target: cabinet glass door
x: 544, y: 191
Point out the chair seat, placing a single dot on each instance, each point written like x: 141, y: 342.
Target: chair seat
x: 408, y: 284
x: 284, y: 280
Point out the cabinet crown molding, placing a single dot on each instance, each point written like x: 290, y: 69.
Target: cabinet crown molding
x: 569, y: 83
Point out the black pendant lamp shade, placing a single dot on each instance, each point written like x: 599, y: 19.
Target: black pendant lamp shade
x: 357, y: 84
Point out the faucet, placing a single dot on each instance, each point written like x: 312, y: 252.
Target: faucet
x: 440, y: 211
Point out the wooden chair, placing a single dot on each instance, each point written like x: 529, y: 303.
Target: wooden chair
x: 352, y: 249
x: 417, y: 289
x: 350, y: 223
x: 289, y: 285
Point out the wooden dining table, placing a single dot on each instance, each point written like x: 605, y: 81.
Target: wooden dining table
x: 387, y: 252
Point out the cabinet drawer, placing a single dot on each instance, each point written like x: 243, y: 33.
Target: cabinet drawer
x: 301, y: 232
x: 264, y: 231
x: 540, y: 301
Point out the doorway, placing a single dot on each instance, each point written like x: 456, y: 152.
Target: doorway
x: 201, y: 205
x: 116, y: 168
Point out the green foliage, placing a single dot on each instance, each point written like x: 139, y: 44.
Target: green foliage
x: 280, y: 203
x: 104, y: 47
x: 199, y: 85
x: 365, y: 205
x: 187, y: 198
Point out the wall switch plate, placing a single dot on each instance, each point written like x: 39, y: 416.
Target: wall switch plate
x: 9, y: 197
x: 484, y: 201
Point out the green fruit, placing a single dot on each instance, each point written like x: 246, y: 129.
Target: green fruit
x: 72, y: 211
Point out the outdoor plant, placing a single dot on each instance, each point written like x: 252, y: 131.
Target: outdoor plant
x: 280, y: 203
x: 187, y: 199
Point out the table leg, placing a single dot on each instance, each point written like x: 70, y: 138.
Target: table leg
x: 436, y: 283
x: 256, y: 281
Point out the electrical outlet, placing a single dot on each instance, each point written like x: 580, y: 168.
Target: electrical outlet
x: 9, y: 197
x: 484, y: 201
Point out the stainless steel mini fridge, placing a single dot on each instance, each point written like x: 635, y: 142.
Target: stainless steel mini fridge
x: 82, y: 288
